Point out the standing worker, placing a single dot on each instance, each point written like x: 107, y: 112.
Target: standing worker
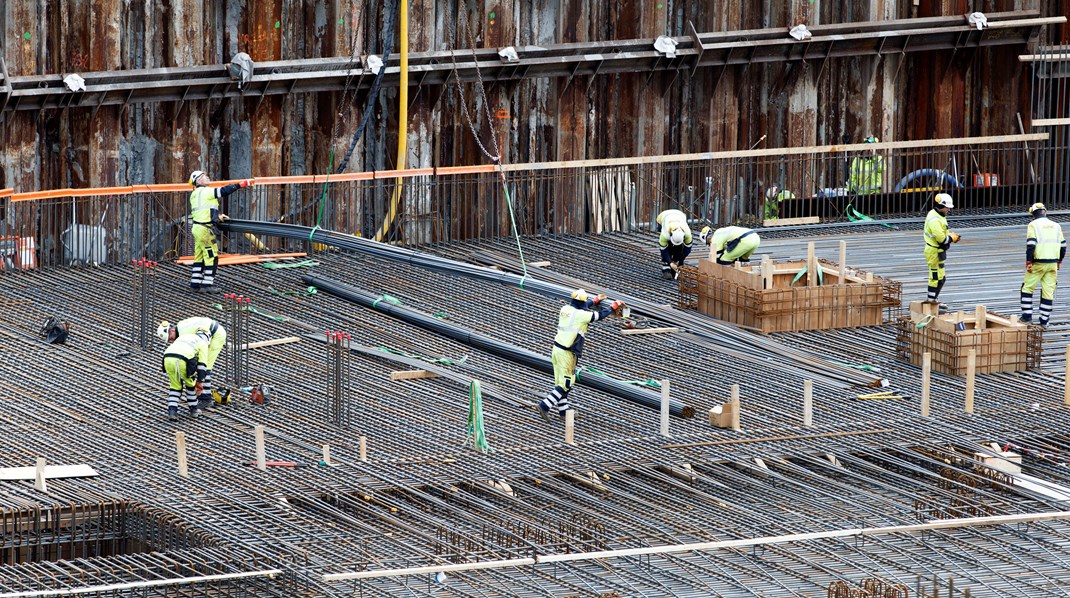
x: 866, y: 175
x: 180, y: 361
x: 169, y: 332
x: 572, y: 324
x: 1045, y: 248
x: 674, y: 241
x: 937, y: 241
x: 204, y: 212
x: 774, y: 195
x: 731, y: 243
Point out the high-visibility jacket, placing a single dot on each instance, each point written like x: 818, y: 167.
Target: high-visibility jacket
x: 201, y: 203
x: 726, y: 236
x: 192, y: 325
x: 772, y: 204
x: 572, y: 323
x: 191, y: 348
x: 936, y: 230
x: 669, y: 220
x: 1045, y: 242
x: 866, y: 175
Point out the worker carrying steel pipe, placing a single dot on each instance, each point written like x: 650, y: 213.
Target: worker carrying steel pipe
x: 180, y: 361
x: 730, y: 243
x: 205, y: 214
x: 572, y: 322
x: 937, y: 241
x: 674, y: 241
x: 1045, y: 248
x: 218, y: 338
x: 866, y: 175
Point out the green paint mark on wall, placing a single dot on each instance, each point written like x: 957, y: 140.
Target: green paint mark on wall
x: 492, y: 15
x: 26, y: 35
x: 276, y: 24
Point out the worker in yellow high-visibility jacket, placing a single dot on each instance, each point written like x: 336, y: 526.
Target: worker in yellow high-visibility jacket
x: 937, y: 241
x: 674, y: 241
x: 1045, y: 248
x: 205, y: 214
x: 866, y: 174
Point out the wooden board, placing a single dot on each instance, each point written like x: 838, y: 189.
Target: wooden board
x: 412, y: 375
x: 230, y: 259
x: 792, y: 221
x: 52, y: 472
x: 648, y: 330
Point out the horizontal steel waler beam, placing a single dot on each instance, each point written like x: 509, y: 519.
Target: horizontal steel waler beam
x: 718, y: 49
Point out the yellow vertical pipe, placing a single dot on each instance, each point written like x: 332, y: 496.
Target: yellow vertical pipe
x: 403, y: 120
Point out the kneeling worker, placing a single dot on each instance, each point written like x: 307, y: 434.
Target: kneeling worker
x: 169, y: 332
x: 674, y: 241
x: 731, y: 243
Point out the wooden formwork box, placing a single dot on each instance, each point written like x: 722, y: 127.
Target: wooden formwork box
x: 769, y: 302
x: 1002, y: 344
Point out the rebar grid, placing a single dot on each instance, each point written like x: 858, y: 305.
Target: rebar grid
x: 421, y: 499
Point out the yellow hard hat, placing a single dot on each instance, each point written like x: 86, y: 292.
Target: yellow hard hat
x: 1037, y: 206
x: 579, y: 295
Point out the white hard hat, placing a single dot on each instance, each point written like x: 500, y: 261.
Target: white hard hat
x: 771, y: 192
x: 677, y: 236
x: 164, y: 331
x: 196, y: 174
x: 1037, y: 206
x: 579, y: 295
x: 944, y: 200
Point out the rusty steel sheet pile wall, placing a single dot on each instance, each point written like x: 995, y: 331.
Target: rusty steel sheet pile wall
x: 793, y: 103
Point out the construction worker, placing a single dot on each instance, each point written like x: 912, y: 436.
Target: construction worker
x: 180, y: 361
x: 205, y: 214
x: 866, y: 173
x: 773, y: 196
x: 674, y: 241
x: 169, y: 332
x: 730, y: 243
x: 937, y: 241
x: 572, y: 324
x: 1045, y: 248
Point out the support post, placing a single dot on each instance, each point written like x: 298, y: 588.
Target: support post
x: 735, y: 407
x: 971, y: 371
x: 261, y: 452
x: 664, y: 407
x: 570, y: 427
x: 843, y: 262
x: 39, y: 478
x: 1066, y: 378
x: 981, y: 315
x: 926, y: 366
x: 808, y: 403
x: 180, y: 443
x: 363, y: 448
x: 811, y: 265
x: 767, y: 272
x: 326, y: 454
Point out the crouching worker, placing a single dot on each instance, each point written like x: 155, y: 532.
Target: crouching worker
x: 731, y: 243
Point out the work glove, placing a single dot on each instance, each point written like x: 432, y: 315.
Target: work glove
x: 954, y: 237
x: 245, y: 183
x: 616, y: 305
x: 223, y: 217
x: 597, y: 299
x: 1029, y: 266
x: 198, y: 388
x: 704, y: 233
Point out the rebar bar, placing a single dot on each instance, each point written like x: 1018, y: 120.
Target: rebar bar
x: 143, y: 302
x: 339, y: 379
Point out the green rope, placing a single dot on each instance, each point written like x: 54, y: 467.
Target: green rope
x: 280, y: 265
x: 326, y: 181
x: 441, y: 360
x: 820, y: 275
x: 922, y: 323
x: 855, y: 216
x: 477, y: 435
x: 516, y: 235
x: 387, y: 298
x: 864, y: 368
x: 312, y: 232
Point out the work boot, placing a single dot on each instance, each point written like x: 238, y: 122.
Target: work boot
x: 172, y: 413
x: 544, y: 412
x: 211, y: 290
x: 194, y: 411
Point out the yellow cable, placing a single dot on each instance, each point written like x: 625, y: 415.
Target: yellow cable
x: 403, y: 120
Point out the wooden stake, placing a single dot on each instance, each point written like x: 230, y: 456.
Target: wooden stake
x: 971, y: 371
x: 926, y: 366
x: 767, y: 272
x: 665, y: 408
x: 808, y: 403
x: 869, y: 278
x: 570, y: 427
x: 843, y: 262
x: 735, y: 407
x: 811, y: 265
x: 183, y: 465
x: 363, y: 448
x: 981, y: 314
x: 261, y: 453
x: 326, y: 454
x: 412, y: 375
x: 39, y: 478
x: 1066, y: 378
